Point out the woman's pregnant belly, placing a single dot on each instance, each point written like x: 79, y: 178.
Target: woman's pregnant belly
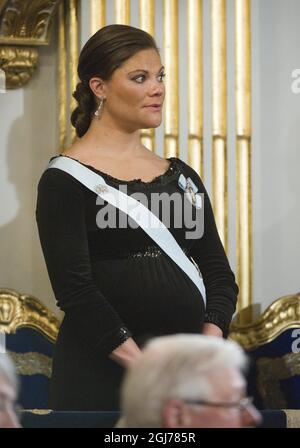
x: 151, y: 294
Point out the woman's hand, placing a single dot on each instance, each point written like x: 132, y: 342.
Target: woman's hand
x: 126, y: 353
x: 212, y: 330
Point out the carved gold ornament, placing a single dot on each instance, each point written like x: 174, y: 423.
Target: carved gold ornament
x: 24, y: 25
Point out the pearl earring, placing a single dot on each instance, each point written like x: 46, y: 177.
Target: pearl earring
x: 98, y: 111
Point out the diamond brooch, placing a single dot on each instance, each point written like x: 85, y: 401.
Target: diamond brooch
x: 191, y: 190
x: 101, y: 188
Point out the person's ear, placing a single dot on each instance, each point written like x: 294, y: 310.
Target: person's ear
x: 98, y: 87
x: 172, y: 414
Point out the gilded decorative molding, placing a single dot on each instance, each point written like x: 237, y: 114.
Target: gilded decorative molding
x: 32, y: 363
x: 282, y: 314
x: 26, y: 22
x: 292, y: 418
x: 219, y: 118
x: 38, y: 411
x: 147, y: 23
x: 73, y: 33
x: 62, y: 78
x: 122, y: 12
x: 194, y: 32
x: 171, y: 48
x: 22, y: 310
x: 243, y: 94
x: 24, y: 25
x: 68, y: 50
x: 97, y: 15
x: 18, y: 64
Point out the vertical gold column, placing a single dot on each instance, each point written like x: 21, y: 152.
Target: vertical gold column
x: 73, y: 56
x: 171, y: 63
x: 97, y: 15
x: 219, y: 118
x: 195, y: 83
x: 62, y: 78
x: 147, y: 23
x: 122, y: 12
x: 243, y: 150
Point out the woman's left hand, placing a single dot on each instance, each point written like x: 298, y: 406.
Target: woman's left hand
x: 212, y: 330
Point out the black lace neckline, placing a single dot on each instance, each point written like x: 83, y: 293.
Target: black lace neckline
x: 172, y: 169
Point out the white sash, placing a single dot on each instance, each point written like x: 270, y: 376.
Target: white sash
x: 137, y: 211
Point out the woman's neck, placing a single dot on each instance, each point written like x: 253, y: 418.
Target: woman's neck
x: 111, y: 141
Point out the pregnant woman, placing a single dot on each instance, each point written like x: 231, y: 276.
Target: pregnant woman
x: 116, y: 286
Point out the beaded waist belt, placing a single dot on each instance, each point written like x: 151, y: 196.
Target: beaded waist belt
x: 149, y: 251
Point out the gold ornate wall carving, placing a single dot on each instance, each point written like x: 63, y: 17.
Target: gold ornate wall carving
x: 18, y: 64
x: 24, y: 26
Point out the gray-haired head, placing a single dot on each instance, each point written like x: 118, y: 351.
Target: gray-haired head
x: 174, y: 366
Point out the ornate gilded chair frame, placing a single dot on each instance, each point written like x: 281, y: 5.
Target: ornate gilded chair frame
x: 281, y: 315
x: 24, y: 310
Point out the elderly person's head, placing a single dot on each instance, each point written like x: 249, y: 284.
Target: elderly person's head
x: 190, y: 381
x: 8, y: 393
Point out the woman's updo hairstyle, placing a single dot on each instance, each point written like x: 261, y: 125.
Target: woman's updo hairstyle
x: 102, y: 54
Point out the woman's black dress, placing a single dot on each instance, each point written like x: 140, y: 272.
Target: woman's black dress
x: 113, y: 283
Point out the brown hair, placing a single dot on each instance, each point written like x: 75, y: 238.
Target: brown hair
x: 102, y: 54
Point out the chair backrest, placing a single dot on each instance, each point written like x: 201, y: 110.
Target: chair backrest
x: 273, y: 344
x: 31, y: 331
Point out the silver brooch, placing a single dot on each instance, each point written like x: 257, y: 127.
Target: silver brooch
x: 191, y: 190
x: 100, y: 188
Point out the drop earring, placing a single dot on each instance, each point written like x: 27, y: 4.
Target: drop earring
x: 98, y: 111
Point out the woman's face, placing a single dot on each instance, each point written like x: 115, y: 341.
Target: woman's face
x: 134, y: 86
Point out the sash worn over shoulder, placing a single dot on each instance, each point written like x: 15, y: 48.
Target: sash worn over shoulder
x: 137, y: 211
